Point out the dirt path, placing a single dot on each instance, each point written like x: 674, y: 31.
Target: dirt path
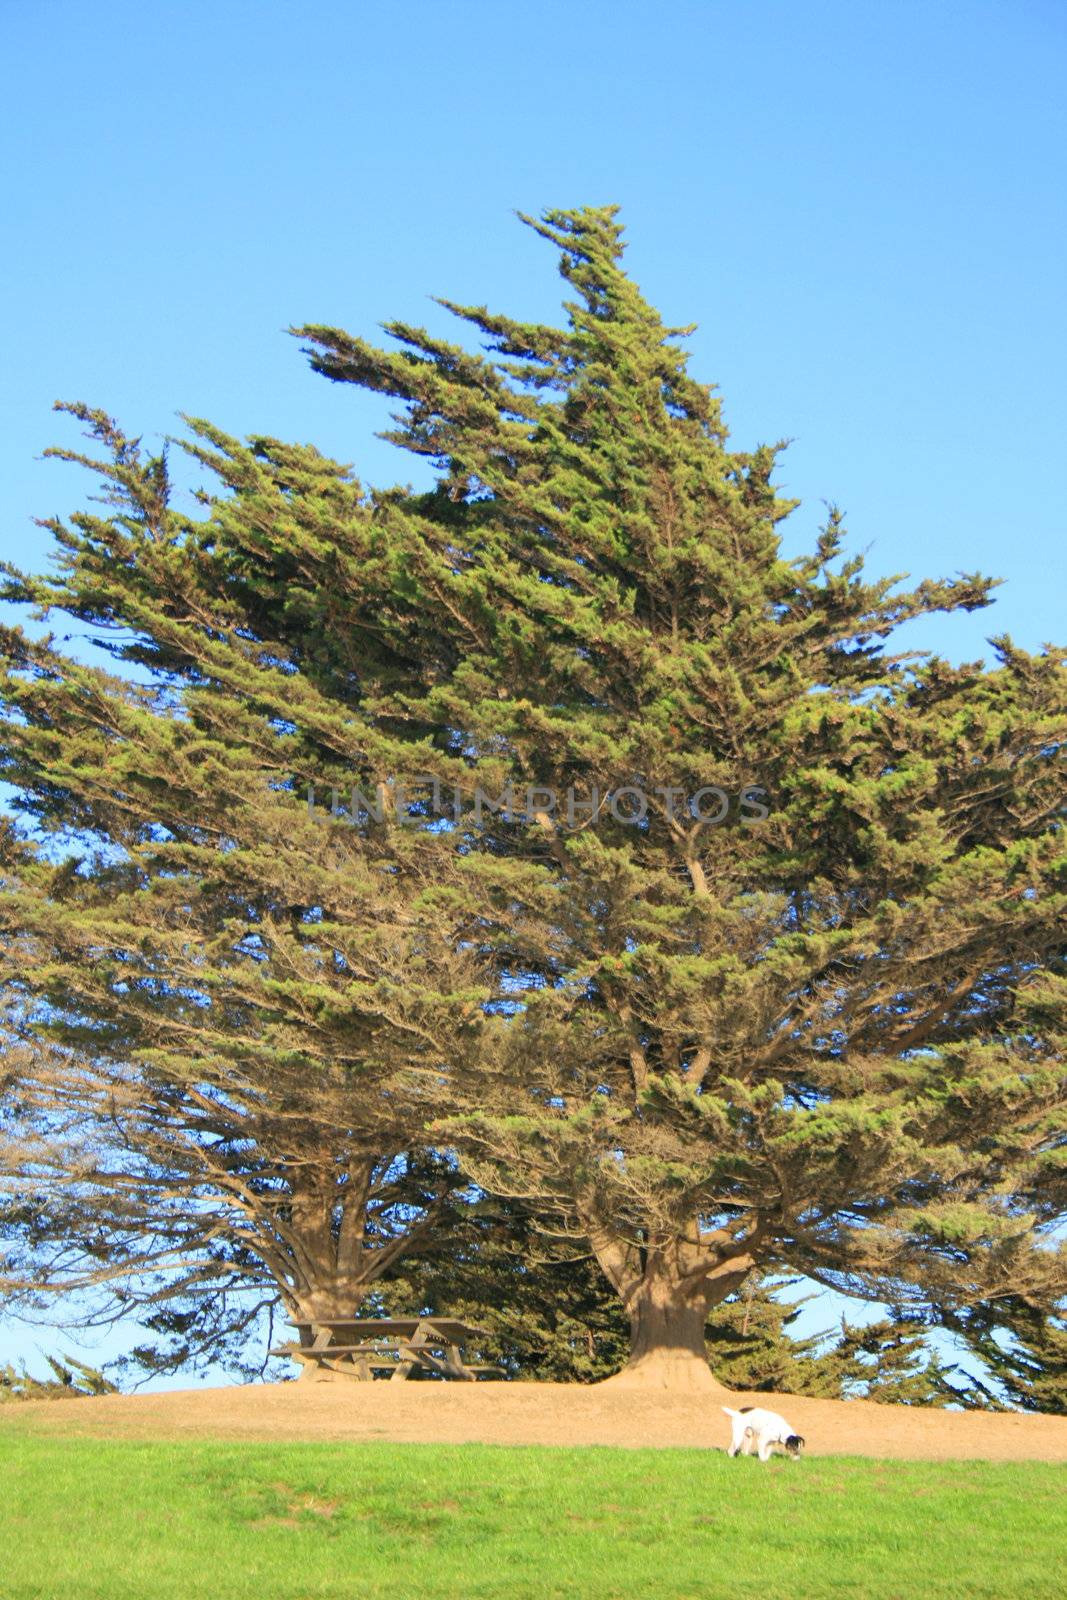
x: 537, y: 1413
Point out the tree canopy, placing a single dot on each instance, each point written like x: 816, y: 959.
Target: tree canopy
x: 829, y: 1040
x: 760, y: 944
x: 228, y: 1008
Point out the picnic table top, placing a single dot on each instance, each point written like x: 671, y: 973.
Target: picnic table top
x: 449, y: 1327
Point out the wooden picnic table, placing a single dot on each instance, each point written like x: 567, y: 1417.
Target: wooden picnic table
x: 355, y: 1347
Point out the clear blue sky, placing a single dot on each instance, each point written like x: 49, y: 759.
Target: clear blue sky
x: 862, y: 205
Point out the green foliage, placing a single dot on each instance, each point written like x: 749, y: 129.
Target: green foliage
x: 547, y: 1316
x: 224, y: 1013
x: 890, y: 1361
x: 750, y: 1345
x: 831, y: 1041
x: 825, y: 1040
x: 70, y: 1378
x: 1022, y: 1345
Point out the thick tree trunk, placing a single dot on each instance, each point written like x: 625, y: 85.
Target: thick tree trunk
x: 668, y: 1286
x: 330, y: 1271
x: 331, y: 1302
x: 667, y: 1348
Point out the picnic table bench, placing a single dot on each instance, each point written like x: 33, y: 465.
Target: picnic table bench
x: 355, y: 1347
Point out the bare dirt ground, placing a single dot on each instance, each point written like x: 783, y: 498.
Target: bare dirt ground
x: 538, y: 1413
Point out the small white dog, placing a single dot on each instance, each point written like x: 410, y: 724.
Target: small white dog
x: 754, y: 1428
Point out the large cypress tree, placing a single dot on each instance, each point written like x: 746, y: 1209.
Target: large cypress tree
x: 829, y: 1040
x: 226, y: 1012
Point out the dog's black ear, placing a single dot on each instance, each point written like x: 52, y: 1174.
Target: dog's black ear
x: 795, y: 1442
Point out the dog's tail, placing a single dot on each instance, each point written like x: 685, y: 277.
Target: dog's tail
x: 730, y: 1412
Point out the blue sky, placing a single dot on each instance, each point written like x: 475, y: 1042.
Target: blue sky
x: 863, y: 207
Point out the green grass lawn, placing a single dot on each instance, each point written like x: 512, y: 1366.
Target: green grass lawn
x: 81, y: 1519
